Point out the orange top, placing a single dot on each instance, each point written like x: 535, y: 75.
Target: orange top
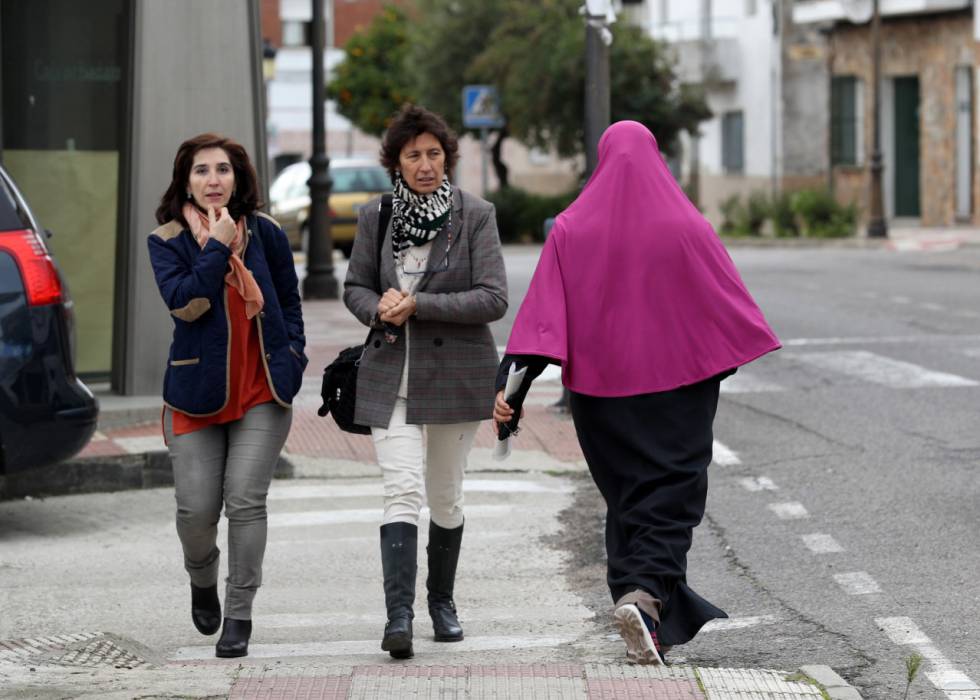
x: 247, y: 382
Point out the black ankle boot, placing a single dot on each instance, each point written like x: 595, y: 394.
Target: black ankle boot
x: 399, y: 554
x: 205, y: 609
x: 443, y: 552
x: 234, y: 639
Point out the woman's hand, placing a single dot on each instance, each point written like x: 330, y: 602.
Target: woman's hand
x: 389, y: 300
x: 222, y: 228
x: 401, y: 312
x: 502, y: 412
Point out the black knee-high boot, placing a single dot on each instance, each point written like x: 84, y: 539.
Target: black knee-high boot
x: 443, y: 552
x: 399, y: 562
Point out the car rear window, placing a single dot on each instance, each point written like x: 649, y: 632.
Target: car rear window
x: 370, y: 179
x: 12, y: 216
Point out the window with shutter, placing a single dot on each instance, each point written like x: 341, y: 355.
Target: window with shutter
x: 844, y: 120
x: 733, y: 142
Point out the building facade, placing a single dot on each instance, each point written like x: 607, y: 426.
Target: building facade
x: 731, y: 48
x: 96, y: 97
x: 927, y: 106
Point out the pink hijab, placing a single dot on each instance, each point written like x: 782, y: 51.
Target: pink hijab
x: 634, y: 293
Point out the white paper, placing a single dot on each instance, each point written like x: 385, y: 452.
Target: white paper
x: 515, y: 378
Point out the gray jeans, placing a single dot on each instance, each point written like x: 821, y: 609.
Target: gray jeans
x: 231, y: 463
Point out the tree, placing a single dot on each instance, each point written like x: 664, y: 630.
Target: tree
x: 372, y: 82
x: 445, y: 40
x: 534, y: 52
x: 536, y: 57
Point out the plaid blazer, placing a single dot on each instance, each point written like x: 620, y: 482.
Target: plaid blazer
x: 453, y: 358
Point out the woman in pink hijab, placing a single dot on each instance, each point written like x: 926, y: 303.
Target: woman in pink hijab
x: 639, y: 302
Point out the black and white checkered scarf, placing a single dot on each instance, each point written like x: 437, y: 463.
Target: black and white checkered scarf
x: 417, y: 218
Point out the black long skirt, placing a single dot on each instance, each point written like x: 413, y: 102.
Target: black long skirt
x: 649, y: 456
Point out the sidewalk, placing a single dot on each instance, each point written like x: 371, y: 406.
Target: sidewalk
x: 481, y: 667
x: 901, y: 239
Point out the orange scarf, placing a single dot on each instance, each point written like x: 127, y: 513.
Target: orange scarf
x: 239, y: 276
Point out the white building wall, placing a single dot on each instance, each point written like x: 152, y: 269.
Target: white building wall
x: 734, y: 22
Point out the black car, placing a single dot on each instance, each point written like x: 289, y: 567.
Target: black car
x: 46, y: 413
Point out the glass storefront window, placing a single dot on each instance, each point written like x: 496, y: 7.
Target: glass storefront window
x: 63, y: 67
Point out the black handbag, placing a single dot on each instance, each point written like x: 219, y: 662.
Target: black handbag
x: 339, y: 388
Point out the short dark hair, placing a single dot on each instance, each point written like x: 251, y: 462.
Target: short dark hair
x: 246, y: 197
x: 409, y: 123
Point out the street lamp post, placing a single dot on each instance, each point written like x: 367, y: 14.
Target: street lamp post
x: 320, y: 282
x: 597, y: 110
x: 877, y: 226
x: 597, y: 39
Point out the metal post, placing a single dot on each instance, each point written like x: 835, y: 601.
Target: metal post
x: 877, y: 226
x: 320, y: 282
x: 704, y: 40
x: 484, y: 171
x: 597, y: 108
x: 596, y: 87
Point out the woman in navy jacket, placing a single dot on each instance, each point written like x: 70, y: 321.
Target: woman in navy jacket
x: 226, y: 274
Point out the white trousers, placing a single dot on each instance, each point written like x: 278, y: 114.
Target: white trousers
x: 409, y: 472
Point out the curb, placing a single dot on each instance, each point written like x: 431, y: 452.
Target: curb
x: 832, y: 684
x: 144, y: 470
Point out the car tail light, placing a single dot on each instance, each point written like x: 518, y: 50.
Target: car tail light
x: 36, y: 266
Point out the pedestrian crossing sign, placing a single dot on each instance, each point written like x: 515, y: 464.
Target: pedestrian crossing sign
x: 481, y: 107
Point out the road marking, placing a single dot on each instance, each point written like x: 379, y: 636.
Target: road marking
x: 299, y: 491
x: 954, y: 683
x: 972, y: 352
x: 819, y: 543
x: 966, y: 313
x: 370, y: 515
x: 758, y: 483
x: 931, y: 306
x: 743, y: 382
x: 881, y: 370
x: 901, y: 300
x: 372, y: 647
x: 886, y: 339
x: 789, y: 511
x: 857, y: 583
x: 722, y: 456
x: 738, y: 623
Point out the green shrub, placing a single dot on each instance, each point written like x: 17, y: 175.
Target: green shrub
x: 746, y: 219
x: 822, y: 216
x: 732, y: 212
x: 521, y: 215
x: 783, y: 217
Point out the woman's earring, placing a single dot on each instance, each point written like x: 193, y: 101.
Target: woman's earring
x: 188, y: 195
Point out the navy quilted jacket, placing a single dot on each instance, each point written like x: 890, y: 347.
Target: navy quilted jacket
x: 192, y: 284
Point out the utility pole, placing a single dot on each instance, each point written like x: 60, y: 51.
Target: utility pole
x: 704, y: 39
x: 598, y: 14
x: 877, y: 226
x: 597, y: 40
x: 320, y: 282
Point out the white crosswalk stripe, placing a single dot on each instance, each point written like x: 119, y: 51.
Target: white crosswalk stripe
x: 723, y: 456
x: 878, y: 369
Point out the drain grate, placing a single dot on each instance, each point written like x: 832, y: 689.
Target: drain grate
x: 83, y: 649
x: 99, y: 652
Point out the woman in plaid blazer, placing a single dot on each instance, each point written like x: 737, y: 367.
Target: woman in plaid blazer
x: 430, y: 360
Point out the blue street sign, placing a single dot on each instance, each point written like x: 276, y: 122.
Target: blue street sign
x: 481, y: 107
